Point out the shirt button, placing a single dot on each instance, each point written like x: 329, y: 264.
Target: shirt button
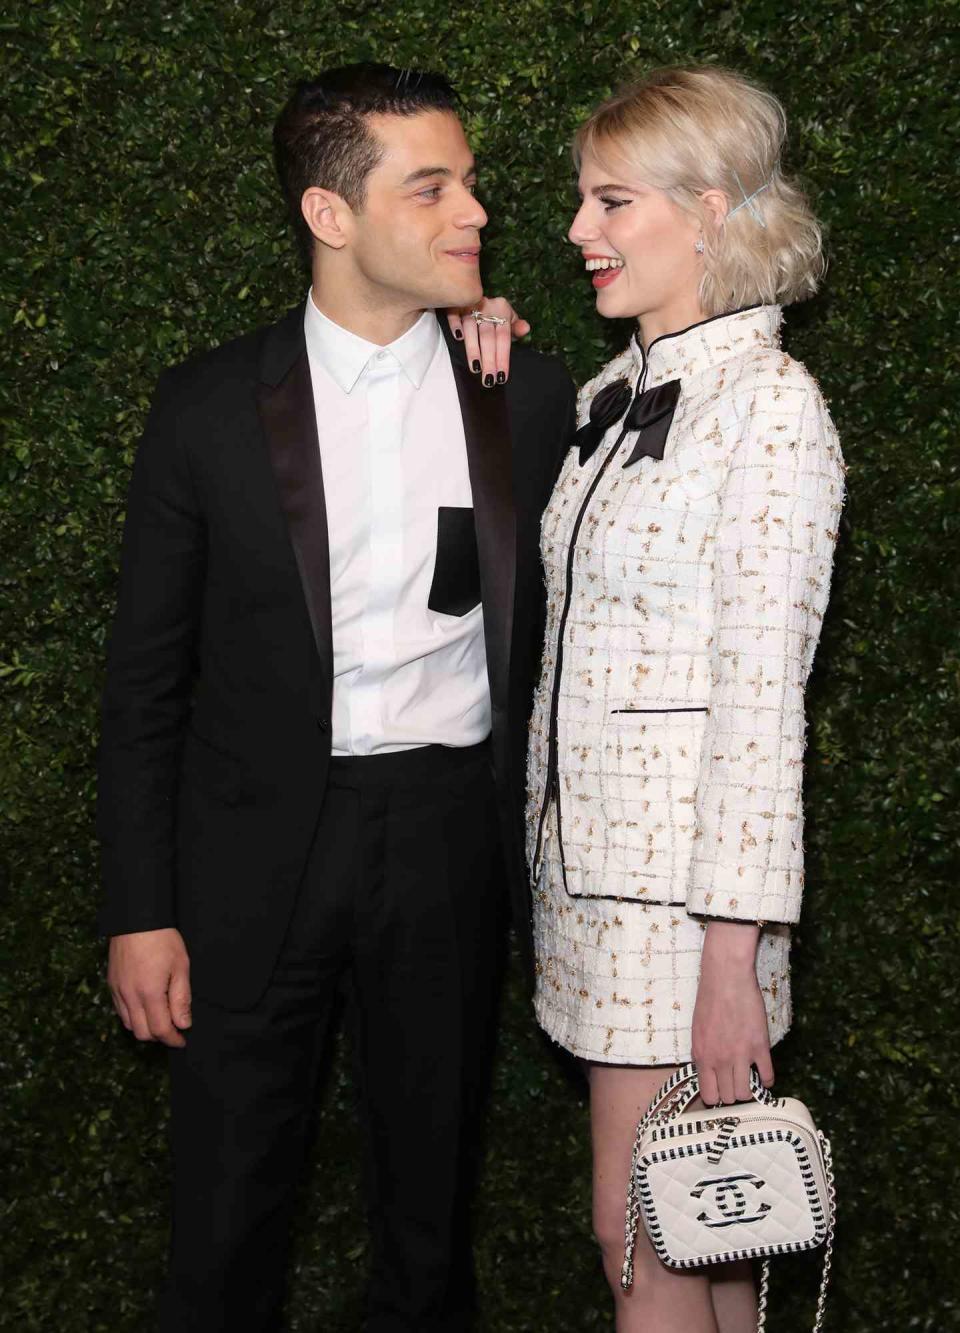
x: 323, y: 723
x: 381, y: 356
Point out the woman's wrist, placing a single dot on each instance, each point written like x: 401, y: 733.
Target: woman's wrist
x: 731, y: 942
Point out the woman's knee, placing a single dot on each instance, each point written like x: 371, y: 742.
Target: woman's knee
x: 608, y: 1225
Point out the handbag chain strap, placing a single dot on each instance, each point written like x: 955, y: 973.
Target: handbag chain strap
x: 827, y: 1249
x: 663, y: 1107
x: 831, y: 1223
x: 633, y: 1219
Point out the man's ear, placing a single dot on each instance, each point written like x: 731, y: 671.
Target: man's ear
x: 327, y: 215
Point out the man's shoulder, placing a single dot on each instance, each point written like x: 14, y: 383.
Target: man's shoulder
x: 535, y: 372
x: 227, y: 365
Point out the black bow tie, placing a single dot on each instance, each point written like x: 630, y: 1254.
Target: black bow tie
x: 651, y: 413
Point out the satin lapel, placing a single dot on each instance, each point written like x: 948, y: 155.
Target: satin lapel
x: 486, y: 427
x: 290, y: 424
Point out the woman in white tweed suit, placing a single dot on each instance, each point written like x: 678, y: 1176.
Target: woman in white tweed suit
x: 687, y: 550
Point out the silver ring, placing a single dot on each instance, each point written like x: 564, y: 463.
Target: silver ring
x: 487, y: 319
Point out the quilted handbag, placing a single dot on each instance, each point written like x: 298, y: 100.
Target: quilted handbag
x: 747, y: 1181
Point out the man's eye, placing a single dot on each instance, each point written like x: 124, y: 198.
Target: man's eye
x: 432, y: 192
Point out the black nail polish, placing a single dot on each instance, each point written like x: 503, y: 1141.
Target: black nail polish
x: 458, y: 333
x: 501, y: 377
x: 476, y: 367
x: 488, y: 381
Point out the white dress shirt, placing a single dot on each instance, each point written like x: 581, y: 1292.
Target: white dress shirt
x: 392, y: 450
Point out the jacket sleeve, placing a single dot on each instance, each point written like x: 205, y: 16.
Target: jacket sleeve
x: 150, y: 668
x: 771, y: 577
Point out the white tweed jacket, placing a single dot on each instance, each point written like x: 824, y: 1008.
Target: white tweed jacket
x: 697, y: 586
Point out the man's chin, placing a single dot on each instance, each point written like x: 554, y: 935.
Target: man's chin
x: 455, y: 296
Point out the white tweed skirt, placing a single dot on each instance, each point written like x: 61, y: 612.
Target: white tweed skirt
x: 617, y: 980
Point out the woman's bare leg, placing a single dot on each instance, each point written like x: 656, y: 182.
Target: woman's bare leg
x: 660, y: 1300
x: 734, y: 1297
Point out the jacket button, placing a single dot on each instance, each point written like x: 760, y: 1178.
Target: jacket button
x: 323, y: 723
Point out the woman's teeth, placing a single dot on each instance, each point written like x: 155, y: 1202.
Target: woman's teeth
x: 594, y: 264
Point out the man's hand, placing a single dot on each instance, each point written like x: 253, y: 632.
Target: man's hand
x: 149, y: 979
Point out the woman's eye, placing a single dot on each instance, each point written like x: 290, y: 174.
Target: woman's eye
x: 611, y: 204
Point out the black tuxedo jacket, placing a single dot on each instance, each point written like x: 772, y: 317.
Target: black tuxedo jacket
x: 216, y: 717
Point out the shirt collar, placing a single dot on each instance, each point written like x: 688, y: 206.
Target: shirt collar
x: 709, y: 343
x: 345, y: 355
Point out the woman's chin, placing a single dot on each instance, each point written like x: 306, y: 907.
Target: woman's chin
x: 610, y: 306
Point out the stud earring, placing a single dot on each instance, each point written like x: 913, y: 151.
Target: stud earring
x: 698, y: 245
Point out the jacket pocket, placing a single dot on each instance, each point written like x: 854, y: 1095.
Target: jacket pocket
x: 697, y: 708
x: 456, y: 575
x: 629, y: 804
x: 212, y: 771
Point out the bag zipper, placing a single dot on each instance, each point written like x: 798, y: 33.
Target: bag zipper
x: 660, y: 1134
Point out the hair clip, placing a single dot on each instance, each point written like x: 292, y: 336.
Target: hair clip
x: 748, y: 203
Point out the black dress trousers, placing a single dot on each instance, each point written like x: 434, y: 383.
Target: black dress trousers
x: 403, y: 897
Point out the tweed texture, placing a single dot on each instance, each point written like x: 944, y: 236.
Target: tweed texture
x: 617, y: 981
x: 698, y: 583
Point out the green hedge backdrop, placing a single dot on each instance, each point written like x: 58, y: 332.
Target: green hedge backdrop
x: 143, y: 224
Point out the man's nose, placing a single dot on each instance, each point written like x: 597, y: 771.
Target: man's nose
x: 474, y: 215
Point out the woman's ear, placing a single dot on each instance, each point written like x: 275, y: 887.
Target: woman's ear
x: 716, y: 206
x: 326, y: 214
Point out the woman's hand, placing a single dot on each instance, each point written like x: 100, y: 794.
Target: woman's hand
x: 729, y: 1020
x: 488, y: 345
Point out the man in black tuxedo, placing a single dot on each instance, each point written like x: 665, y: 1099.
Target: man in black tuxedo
x: 314, y: 728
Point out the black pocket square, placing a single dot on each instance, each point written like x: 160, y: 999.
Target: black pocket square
x: 456, y: 575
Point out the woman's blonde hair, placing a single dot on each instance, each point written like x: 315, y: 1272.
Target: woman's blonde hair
x: 689, y: 130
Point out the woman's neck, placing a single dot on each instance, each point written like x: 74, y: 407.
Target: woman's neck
x: 679, y: 314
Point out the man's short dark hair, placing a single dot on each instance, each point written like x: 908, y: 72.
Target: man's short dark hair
x: 322, y: 138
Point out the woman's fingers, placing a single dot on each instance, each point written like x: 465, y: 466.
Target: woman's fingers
x: 471, y: 343
x: 729, y: 1081
x: 741, y: 1080
x: 488, y: 355
x: 487, y: 342
x: 455, y: 320
x: 513, y: 326
x: 764, y: 1063
x: 505, y: 334
x: 709, y: 1088
x: 726, y: 1083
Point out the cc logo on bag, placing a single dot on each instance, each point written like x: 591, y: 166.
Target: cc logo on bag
x: 730, y: 1199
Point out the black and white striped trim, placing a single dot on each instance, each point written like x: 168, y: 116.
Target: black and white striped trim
x: 808, y: 1177
x: 674, y: 1131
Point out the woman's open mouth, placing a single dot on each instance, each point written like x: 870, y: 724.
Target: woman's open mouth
x: 603, y: 268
